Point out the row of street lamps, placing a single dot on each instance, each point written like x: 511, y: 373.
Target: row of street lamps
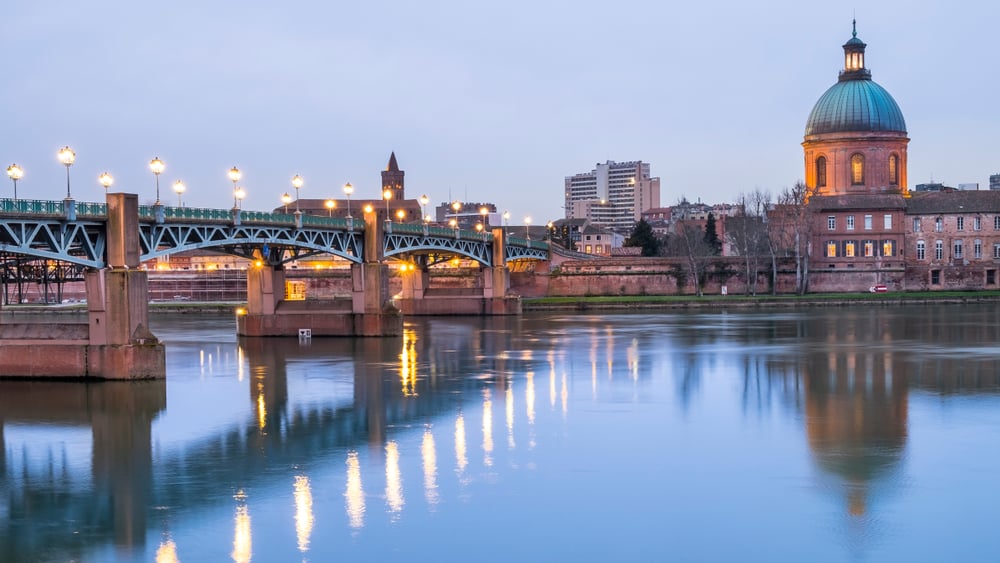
x: 67, y: 156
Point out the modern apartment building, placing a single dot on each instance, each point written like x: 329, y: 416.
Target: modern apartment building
x: 613, y: 195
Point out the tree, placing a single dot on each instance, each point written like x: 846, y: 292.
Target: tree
x: 711, y: 235
x: 791, y: 228
x: 688, y: 241
x: 747, y: 232
x: 644, y: 237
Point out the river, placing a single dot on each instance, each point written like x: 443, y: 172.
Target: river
x: 816, y: 434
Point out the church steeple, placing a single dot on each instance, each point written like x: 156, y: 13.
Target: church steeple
x: 854, y: 57
x: 392, y: 178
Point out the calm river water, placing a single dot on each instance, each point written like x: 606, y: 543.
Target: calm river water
x: 830, y: 434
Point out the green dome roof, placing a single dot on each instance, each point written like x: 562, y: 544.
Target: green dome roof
x: 855, y: 106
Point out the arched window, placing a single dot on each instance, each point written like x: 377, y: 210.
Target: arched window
x: 893, y: 170
x: 857, y: 169
x: 821, y: 172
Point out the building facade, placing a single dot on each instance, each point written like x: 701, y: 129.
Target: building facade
x: 613, y: 195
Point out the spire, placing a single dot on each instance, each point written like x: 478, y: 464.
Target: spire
x: 392, y: 167
x: 854, y: 28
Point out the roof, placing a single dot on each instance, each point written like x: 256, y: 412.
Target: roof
x: 929, y: 203
x: 392, y: 167
x: 858, y: 201
x: 855, y: 105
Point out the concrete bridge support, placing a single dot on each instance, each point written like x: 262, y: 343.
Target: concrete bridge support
x: 116, y: 342
x: 369, y: 312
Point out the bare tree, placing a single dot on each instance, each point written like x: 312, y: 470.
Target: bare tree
x: 688, y: 241
x: 747, y: 231
x: 790, y: 226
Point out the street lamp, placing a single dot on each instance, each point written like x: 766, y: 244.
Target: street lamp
x: 238, y: 194
x: 387, y: 195
x: 548, y: 230
x: 179, y: 188
x: 453, y: 223
x: 527, y: 221
x: 330, y: 205
x: 234, y: 176
x: 423, y: 205
x: 67, y: 157
x: 506, y: 222
x: 485, y: 215
x: 348, y: 190
x: 400, y: 214
x: 286, y: 199
x: 106, y: 180
x: 16, y: 173
x: 297, y: 184
x: 157, y: 166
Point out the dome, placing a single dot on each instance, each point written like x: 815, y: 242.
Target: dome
x: 855, y: 106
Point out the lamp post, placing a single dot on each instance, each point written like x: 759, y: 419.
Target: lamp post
x: 330, y: 205
x: 348, y: 190
x: 286, y: 199
x: 179, y: 188
x: 157, y: 166
x: 234, y: 176
x: 67, y: 157
x: 400, y: 214
x: 387, y: 195
x: 238, y: 194
x: 484, y: 213
x: 527, y: 221
x: 506, y: 222
x: 548, y: 230
x: 297, y: 184
x: 106, y: 180
x: 15, y: 173
x: 423, y: 207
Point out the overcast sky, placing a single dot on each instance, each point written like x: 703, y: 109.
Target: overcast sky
x: 493, y: 102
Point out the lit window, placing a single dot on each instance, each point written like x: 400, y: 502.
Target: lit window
x: 849, y: 249
x: 868, y: 222
x: 893, y: 170
x: 857, y: 169
x: 869, y: 248
x: 831, y: 223
x: 850, y: 222
x: 887, y: 247
x: 831, y: 249
x: 921, y: 250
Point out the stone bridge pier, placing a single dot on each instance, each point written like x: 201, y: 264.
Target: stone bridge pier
x: 369, y: 312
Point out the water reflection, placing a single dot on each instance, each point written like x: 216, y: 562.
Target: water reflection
x: 373, y: 412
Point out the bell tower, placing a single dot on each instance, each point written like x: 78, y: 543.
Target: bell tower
x: 392, y: 179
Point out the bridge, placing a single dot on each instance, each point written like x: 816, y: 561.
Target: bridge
x: 111, y: 240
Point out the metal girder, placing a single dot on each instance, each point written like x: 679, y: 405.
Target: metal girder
x: 159, y: 239
x: 394, y: 244
x: 77, y: 242
x: 517, y: 252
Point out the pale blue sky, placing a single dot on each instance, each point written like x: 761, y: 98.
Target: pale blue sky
x: 491, y: 102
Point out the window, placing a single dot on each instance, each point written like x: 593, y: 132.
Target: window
x: 916, y: 224
x: 977, y: 223
x: 869, y: 248
x: 938, y: 250
x: 850, y: 222
x: 868, y: 222
x: 831, y: 249
x: 991, y: 277
x: 935, y: 277
x: 977, y: 249
x: 960, y: 223
x: 821, y: 172
x: 921, y: 250
x: 849, y: 249
x: 857, y: 169
x: 996, y: 250
x: 996, y: 223
x: 938, y: 224
x: 887, y: 222
x: 887, y: 247
x: 893, y: 170
x: 831, y: 223
x: 957, y: 250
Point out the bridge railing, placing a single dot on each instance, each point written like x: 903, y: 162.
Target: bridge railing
x: 434, y: 231
x: 528, y: 243
x: 32, y: 206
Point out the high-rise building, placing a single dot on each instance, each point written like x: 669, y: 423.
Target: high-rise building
x: 995, y: 181
x: 613, y: 195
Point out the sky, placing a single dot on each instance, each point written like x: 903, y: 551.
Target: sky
x: 493, y: 102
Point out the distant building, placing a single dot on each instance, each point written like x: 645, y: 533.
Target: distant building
x: 995, y: 181
x: 968, y: 187
x: 398, y: 208
x: 468, y: 214
x: 613, y: 195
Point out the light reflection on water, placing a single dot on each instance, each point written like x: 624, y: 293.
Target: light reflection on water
x: 825, y: 434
